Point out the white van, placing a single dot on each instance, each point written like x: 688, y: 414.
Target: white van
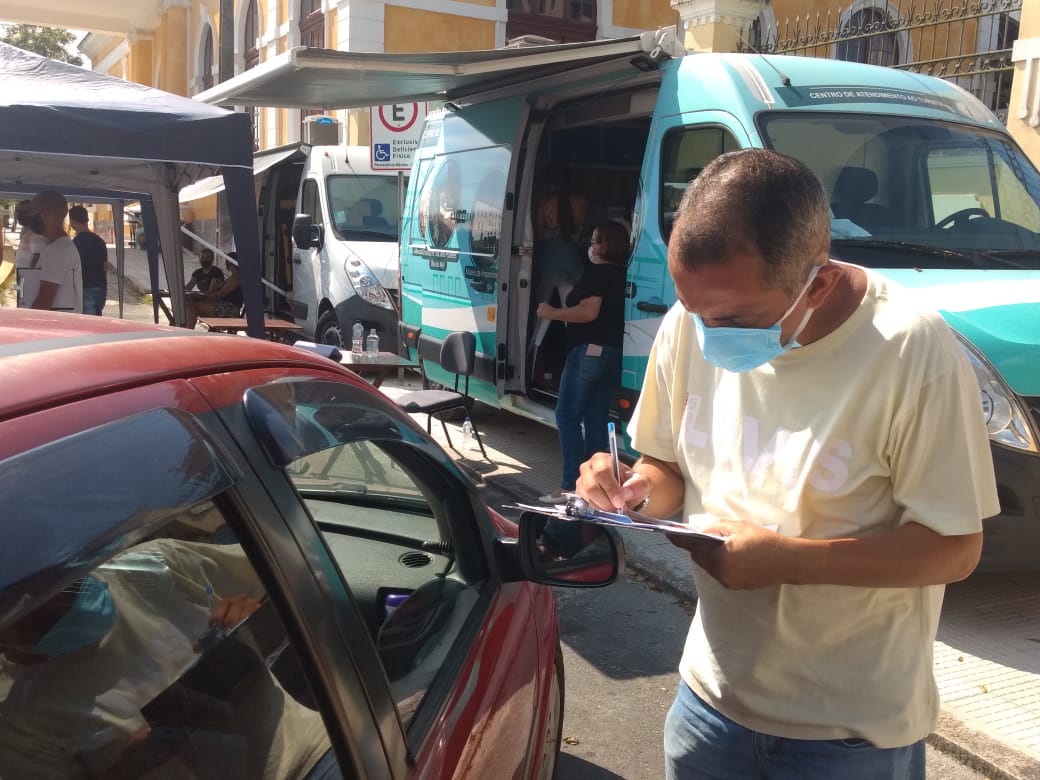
x: 346, y: 216
x: 343, y: 266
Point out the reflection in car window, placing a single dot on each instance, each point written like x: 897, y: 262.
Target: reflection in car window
x: 163, y: 659
x: 400, y: 531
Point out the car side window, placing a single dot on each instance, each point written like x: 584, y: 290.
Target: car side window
x: 397, y: 524
x: 684, y: 154
x: 136, y: 637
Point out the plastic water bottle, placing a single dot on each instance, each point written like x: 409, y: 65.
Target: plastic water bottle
x: 358, y: 342
x: 373, y: 343
x: 469, y: 442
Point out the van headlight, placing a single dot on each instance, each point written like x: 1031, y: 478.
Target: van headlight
x: 1007, y: 421
x: 366, y: 286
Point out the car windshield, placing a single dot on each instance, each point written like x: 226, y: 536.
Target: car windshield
x: 908, y: 192
x: 364, y: 208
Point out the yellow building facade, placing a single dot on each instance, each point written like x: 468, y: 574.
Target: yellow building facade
x: 180, y: 50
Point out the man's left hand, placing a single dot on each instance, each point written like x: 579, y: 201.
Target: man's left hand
x: 750, y: 557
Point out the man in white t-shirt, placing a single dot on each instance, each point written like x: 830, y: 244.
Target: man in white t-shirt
x: 788, y: 391
x: 27, y: 257
x: 61, y: 283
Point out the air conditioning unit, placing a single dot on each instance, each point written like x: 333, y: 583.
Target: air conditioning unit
x: 322, y: 131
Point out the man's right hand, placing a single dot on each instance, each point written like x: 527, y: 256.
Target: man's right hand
x: 596, y: 484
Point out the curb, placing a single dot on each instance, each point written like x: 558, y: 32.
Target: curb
x: 977, y: 751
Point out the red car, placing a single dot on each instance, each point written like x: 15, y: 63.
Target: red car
x: 224, y: 557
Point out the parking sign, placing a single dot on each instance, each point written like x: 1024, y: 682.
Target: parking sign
x: 396, y: 130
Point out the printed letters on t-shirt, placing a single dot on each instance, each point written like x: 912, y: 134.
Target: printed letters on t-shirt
x: 767, y: 455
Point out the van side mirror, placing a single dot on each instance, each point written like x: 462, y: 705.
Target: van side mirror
x: 305, y: 233
x: 568, y: 553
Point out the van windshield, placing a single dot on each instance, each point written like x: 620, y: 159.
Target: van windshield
x: 364, y: 208
x: 909, y: 192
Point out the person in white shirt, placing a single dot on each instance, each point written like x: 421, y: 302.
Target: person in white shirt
x: 61, y: 283
x: 805, y: 411
x: 30, y: 244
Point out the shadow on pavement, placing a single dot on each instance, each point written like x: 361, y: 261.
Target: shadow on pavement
x: 617, y: 632
x: 574, y: 768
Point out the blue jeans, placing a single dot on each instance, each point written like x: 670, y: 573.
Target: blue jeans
x: 702, y: 743
x: 586, y: 387
x: 94, y: 299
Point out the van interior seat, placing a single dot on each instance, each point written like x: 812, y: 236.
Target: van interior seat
x: 852, y: 189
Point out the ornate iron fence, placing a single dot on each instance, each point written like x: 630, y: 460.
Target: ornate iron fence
x: 966, y: 41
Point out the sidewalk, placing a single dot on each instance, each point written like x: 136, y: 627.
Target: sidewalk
x: 987, y: 655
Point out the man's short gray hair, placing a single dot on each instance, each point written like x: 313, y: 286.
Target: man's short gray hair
x: 754, y: 200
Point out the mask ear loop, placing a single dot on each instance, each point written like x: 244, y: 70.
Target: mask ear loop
x: 808, y: 312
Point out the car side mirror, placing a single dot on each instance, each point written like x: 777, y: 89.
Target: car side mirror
x: 568, y: 553
x: 305, y: 233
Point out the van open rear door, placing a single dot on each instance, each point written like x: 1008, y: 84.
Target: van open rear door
x: 304, y: 77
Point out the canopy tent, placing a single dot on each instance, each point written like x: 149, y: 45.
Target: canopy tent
x: 95, y: 137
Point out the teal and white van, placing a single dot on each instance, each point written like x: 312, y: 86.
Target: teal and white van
x: 926, y: 186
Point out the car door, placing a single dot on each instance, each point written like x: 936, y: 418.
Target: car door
x: 456, y: 671
x: 167, y: 530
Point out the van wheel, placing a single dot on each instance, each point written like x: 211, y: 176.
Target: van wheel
x: 328, y: 330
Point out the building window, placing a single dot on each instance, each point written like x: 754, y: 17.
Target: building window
x: 312, y: 33
x: 562, y: 21
x: 864, y: 39
x: 252, y: 35
x: 207, y: 59
x: 312, y: 24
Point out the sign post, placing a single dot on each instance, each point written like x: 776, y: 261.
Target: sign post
x: 396, y: 130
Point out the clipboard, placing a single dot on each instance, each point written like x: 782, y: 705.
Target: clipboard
x: 577, y: 510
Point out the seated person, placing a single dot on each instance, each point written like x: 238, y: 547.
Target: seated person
x: 358, y: 213
x: 224, y: 298
x: 80, y: 673
x: 376, y: 220
x: 204, y: 276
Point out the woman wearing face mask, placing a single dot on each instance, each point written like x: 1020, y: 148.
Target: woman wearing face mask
x: 595, y: 318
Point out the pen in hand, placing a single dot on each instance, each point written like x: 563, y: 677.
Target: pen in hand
x: 612, y: 441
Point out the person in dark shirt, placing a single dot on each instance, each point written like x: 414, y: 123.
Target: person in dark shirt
x: 93, y: 259
x: 595, y: 318
x: 203, y: 277
x: 224, y: 298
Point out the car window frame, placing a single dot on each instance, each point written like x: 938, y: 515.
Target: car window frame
x: 401, y: 745
x: 272, y: 551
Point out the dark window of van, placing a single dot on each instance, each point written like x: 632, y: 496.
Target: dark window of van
x: 684, y: 154
x: 309, y: 203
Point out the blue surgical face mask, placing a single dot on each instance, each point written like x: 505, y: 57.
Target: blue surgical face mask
x: 744, y: 349
x: 87, y: 622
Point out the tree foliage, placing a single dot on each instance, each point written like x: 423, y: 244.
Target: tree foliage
x: 45, y: 41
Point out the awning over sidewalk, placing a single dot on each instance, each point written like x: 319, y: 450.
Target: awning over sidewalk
x: 323, y: 79
x: 214, y: 184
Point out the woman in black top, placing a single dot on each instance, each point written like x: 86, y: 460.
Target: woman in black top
x: 595, y: 317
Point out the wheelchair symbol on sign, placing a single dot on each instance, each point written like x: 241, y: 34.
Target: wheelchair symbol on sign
x: 381, y: 153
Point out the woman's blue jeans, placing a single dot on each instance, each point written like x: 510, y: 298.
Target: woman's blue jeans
x: 702, y: 743
x: 586, y: 387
